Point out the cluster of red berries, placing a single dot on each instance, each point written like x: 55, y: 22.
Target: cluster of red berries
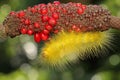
x: 45, y: 21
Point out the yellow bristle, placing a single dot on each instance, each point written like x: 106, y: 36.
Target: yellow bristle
x: 68, y: 47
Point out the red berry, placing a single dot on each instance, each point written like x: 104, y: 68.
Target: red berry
x: 23, y: 31
x: 77, y: 30
x: 44, y: 11
x: 21, y: 14
x: 52, y: 21
x: 12, y: 13
x: 45, y: 31
x: 56, y: 31
x: 55, y: 15
x: 45, y: 18
x: 27, y: 21
x: 78, y: 4
x: 74, y: 27
x: 83, y: 7
x: 36, y: 25
x: 42, y: 5
x: 33, y: 10
x: 48, y: 27
x: 80, y: 11
x: 44, y: 36
x: 56, y: 3
x: 52, y: 9
x: 30, y: 32
x: 37, y: 37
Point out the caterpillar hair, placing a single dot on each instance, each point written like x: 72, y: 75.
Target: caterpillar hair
x: 70, y: 30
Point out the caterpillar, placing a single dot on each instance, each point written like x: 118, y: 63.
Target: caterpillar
x: 70, y: 31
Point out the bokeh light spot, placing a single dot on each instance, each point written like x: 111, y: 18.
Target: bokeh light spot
x: 114, y: 60
x: 31, y: 50
x: 96, y: 77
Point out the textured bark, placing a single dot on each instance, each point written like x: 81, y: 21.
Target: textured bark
x: 2, y: 32
x: 115, y: 22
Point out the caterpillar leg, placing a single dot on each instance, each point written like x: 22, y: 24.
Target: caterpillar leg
x: 68, y: 47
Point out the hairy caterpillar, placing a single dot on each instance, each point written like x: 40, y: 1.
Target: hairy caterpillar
x: 79, y: 29
x: 67, y: 47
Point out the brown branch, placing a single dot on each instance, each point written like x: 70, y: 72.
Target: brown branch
x: 115, y: 22
x: 3, y: 34
x: 71, y: 16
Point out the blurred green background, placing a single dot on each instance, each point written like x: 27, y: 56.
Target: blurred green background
x: 18, y: 56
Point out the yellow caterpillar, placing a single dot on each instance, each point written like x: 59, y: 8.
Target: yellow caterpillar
x: 68, y: 47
